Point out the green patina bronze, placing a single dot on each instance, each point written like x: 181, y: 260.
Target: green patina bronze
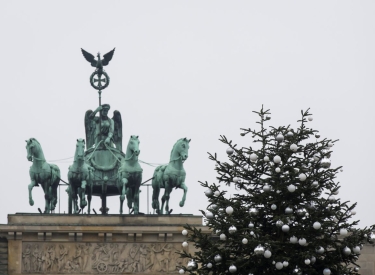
x: 130, y: 176
x: 80, y: 180
x: 43, y: 173
x: 171, y: 176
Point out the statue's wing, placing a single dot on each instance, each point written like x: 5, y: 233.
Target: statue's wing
x: 108, y: 57
x: 90, y: 130
x: 117, y: 133
x: 89, y: 57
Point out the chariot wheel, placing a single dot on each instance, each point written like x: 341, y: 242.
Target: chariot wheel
x: 101, y: 267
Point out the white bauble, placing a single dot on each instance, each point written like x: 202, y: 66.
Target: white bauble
x: 279, y: 223
x: 294, y: 147
x: 277, y: 159
x: 232, y: 269
x: 236, y: 179
x: 223, y: 237
x: 307, y: 261
x: 353, y: 212
x: 217, y: 193
x: 208, y: 192
x: 259, y: 250
x: 313, y: 260
x: 266, y: 188
x: 330, y: 144
x: 209, y: 265
x: 315, y: 184
x: 185, y: 244
x: 317, y: 225
x: 288, y: 210
x: 217, y: 258
x: 229, y: 210
x: 245, y: 241
x: 310, y: 118
x: 277, y: 170
x: 181, y: 271
x: 289, y: 134
x: 336, y: 192
x: 279, y: 137
x: 346, y: 250
x: 232, y: 229
x: 302, y: 177
x: 326, y: 271
x: 253, y: 157
x: 209, y: 215
x: 251, y: 225
x: 320, y: 250
x: 331, y: 198
x: 291, y: 188
x: 343, y: 232
x: 184, y: 232
x: 285, y: 263
x: 230, y: 151
x: 302, y: 241
x: 273, y: 207
x: 266, y: 158
x: 285, y: 228
x: 293, y: 239
x: 192, y: 265
x: 279, y: 265
x: 267, y: 254
x: 356, y: 249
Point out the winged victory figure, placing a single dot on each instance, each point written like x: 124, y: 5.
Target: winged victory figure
x: 100, y: 63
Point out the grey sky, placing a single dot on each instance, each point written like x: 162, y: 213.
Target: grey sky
x: 192, y: 69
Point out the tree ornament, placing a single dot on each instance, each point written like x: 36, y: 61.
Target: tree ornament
x: 217, y: 193
x: 236, y: 179
x: 326, y: 271
x: 307, y: 261
x: 289, y: 134
x: 229, y: 210
x: 209, y: 265
x: 325, y: 163
x: 357, y: 249
x: 285, y: 263
x: 285, y: 228
x: 320, y: 250
x: 267, y: 254
x: 232, y: 269
x: 356, y: 269
x: 294, y: 147
x: 217, y: 258
x: 293, y: 239
x: 208, y: 192
x: 213, y: 206
x: 279, y: 265
x: 288, y: 210
x: 185, y: 244
x: 310, y: 118
x: 266, y: 159
x: 223, y: 237
x: 331, y: 198
x: 245, y: 241
x: 192, y: 265
x: 302, y: 177
x: 266, y: 188
x: 343, y: 232
x: 317, y: 225
x: 315, y: 184
x: 291, y: 188
x: 209, y: 215
x: 372, y: 236
x: 232, y: 229
x: 277, y: 159
x: 301, y: 212
x: 273, y: 207
x: 302, y: 241
x: 346, y: 251
x: 253, y: 211
x: 279, y: 137
x: 335, y: 192
x: 251, y: 225
x: 277, y: 170
x: 253, y: 157
x: 184, y: 232
x: 313, y: 260
x: 181, y: 271
x: 297, y: 271
x: 259, y: 250
x: 353, y: 212
x: 251, y: 233
x: 279, y: 223
x: 230, y: 151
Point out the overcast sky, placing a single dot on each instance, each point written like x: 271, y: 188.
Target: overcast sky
x: 194, y: 69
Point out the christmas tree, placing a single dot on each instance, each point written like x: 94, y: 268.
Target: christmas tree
x: 285, y: 217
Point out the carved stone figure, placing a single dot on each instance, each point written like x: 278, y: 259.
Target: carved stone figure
x: 130, y: 176
x: 62, y: 254
x: 43, y: 173
x: 102, y: 129
x: 170, y: 176
x: 80, y: 179
x: 26, y: 259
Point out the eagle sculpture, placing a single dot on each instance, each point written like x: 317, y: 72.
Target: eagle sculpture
x: 98, y: 64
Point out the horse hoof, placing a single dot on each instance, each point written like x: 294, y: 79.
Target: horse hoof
x: 31, y: 202
x: 182, y: 203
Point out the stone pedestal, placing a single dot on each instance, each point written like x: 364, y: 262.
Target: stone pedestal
x: 94, y: 244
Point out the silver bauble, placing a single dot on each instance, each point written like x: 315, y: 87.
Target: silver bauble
x: 326, y: 271
x: 356, y: 249
x: 266, y: 188
x: 253, y: 211
x: 223, y: 237
x: 232, y: 229
x: 320, y: 250
x: 285, y: 228
x: 317, y: 136
x: 253, y: 157
x: 259, y: 250
x: 293, y: 239
x: 251, y: 225
x: 313, y: 260
x: 181, y: 271
x: 236, y: 179
x: 279, y: 223
x: 346, y: 250
x: 229, y: 210
x: 325, y: 163
x: 289, y: 134
x: 192, y: 265
x: 245, y: 241
x: 230, y: 151
x: 307, y: 261
x: 208, y: 192
x: 285, y: 263
x: 209, y: 265
x: 209, y: 215
x: 267, y: 254
x: 288, y: 210
x: 279, y: 265
x: 217, y: 258
x: 232, y: 269
x: 273, y: 207
x: 315, y: 184
x: 297, y: 271
x: 301, y: 212
x: 213, y: 206
x: 279, y: 137
x: 356, y: 269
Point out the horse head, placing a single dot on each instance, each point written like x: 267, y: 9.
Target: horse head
x: 180, y: 150
x: 133, y: 147
x: 33, y: 148
x: 80, y: 149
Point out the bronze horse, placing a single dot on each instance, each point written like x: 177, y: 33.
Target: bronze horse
x: 43, y: 173
x: 170, y: 176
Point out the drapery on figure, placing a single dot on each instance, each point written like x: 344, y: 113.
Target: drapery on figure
x: 105, y: 129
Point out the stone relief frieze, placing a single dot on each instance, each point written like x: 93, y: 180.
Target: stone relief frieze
x: 100, y: 258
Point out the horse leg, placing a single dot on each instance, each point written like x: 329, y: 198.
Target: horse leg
x: 89, y: 196
x: 74, y: 199
x: 184, y: 187
x: 83, y: 202
x: 129, y: 195
x: 47, y: 199
x: 31, y: 186
x: 122, y: 193
x: 167, y: 197
x: 155, y: 197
